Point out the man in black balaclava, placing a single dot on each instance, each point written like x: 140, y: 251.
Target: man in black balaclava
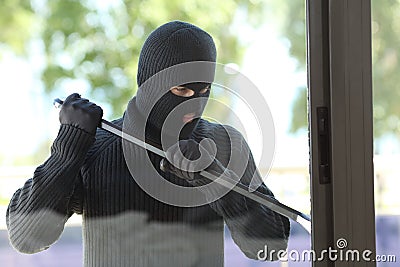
x: 123, y: 192
x: 172, y: 44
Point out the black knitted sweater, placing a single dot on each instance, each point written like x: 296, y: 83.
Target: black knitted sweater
x: 124, y: 226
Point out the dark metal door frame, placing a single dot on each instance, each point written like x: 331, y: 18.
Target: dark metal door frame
x: 340, y: 124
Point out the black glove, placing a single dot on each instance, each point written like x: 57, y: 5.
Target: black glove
x: 187, y: 158
x: 80, y: 113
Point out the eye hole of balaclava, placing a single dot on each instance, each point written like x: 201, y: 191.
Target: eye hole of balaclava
x: 175, y: 117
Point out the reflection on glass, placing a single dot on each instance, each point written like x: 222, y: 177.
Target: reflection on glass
x: 386, y: 66
x: 93, y: 49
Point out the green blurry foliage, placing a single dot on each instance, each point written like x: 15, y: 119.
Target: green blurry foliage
x: 17, y: 25
x: 98, y: 42
x: 385, y: 64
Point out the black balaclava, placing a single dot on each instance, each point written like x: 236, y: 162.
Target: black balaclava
x: 170, y: 45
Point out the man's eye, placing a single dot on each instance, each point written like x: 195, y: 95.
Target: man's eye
x: 182, y: 91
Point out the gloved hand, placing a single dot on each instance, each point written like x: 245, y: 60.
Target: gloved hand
x: 80, y: 113
x: 187, y: 158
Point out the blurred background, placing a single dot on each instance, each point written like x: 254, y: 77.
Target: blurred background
x: 53, y: 48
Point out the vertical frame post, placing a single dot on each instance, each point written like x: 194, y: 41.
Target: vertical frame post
x: 340, y: 84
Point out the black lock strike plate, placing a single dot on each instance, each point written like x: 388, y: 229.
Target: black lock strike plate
x: 323, y: 145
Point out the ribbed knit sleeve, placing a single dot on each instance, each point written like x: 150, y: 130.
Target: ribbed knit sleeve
x: 252, y: 225
x: 38, y: 211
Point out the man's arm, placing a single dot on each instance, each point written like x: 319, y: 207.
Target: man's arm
x: 38, y: 211
x: 252, y: 225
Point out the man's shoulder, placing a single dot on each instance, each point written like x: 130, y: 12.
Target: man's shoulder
x: 226, y: 138
x: 209, y: 129
x: 222, y: 134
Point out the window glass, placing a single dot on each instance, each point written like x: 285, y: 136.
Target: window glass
x: 386, y: 66
x: 52, y: 49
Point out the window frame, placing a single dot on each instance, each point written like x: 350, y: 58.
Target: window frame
x: 340, y: 81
